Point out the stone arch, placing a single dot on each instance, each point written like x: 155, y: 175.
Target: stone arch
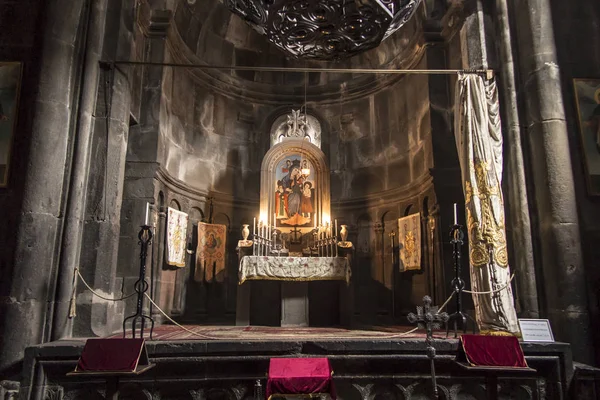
x: 320, y: 176
x: 196, y: 215
x: 175, y: 204
x: 222, y: 218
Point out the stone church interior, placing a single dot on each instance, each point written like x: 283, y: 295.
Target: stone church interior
x: 246, y: 199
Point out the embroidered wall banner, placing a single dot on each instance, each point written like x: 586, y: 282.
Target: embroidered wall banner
x: 409, y: 238
x: 210, y: 255
x: 177, y: 222
x: 479, y: 144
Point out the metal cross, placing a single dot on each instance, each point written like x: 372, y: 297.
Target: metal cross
x: 295, y: 235
x: 429, y: 318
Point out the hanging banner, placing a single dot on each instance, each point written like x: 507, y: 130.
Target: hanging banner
x: 409, y: 238
x: 479, y: 144
x: 210, y: 255
x: 177, y: 222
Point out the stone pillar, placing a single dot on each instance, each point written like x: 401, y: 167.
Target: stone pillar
x: 77, y: 197
x: 24, y: 312
x: 565, y: 297
x: 518, y: 227
x: 143, y: 147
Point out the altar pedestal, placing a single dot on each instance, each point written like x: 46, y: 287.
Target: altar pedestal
x: 294, y: 274
x: 294, y: 304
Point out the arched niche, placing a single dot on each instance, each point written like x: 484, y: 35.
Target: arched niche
x: 282, y: 166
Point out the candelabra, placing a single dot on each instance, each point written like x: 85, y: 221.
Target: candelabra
x: 458, y: 284
x: 141, y: 287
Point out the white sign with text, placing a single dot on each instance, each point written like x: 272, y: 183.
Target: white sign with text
x: 536, y: 330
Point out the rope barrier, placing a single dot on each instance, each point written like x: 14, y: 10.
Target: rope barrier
x: 446, y: 302
x: 173, y: 321
x: 99, y: 295
x: 209, y: 337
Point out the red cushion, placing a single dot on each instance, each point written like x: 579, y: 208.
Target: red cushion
x: 493, y: 351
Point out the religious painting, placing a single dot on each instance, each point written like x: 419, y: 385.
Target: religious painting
x: 210, y: 254
x: 587, y: 94
x: 294, y: 192
x: 409, y: 238
x: 10, y: 83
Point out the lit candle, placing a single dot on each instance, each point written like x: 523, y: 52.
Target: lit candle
x: 455, y: 214
x: 336, y: 231
x: 254, y: 228
x: 147, y: 208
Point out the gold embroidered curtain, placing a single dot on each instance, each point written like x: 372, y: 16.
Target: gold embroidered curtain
x: 479, y: 144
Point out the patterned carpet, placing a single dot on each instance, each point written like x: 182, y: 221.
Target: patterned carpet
x: 262, y: 333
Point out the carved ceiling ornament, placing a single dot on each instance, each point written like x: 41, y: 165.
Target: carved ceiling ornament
x: 296, y: 125
x: 325, y: 29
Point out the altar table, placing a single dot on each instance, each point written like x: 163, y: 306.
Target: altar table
x: 295, y: 273
x: 293, y: 376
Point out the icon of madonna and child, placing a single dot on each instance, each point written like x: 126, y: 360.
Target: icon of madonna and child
x: 294, y: 193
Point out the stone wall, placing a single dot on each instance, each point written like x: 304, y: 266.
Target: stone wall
x: 210, y: 145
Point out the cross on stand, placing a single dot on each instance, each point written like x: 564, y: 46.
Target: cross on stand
x: 429, y: 318
x: 295, y: 235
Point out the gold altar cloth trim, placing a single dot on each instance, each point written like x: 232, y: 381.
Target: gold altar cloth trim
x: 177, y: 222
x: 299, y: 269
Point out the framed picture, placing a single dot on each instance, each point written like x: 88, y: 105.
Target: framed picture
x: 587, y: 96
x: 10, y: 87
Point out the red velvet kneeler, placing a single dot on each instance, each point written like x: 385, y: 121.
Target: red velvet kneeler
x: 113, y: 356
x: 300, y: 376
x: 493, y: 351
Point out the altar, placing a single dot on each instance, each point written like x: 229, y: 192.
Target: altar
x: 294, y: 240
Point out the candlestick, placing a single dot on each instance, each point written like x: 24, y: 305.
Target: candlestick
x: 258, y: 238
x: 455, y: 214
x: 146, y: 219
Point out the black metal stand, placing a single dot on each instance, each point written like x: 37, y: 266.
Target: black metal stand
x: 141, y: 287
x: 456, y: 238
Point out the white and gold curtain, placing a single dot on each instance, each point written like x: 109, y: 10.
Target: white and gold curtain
x: 479, y: 144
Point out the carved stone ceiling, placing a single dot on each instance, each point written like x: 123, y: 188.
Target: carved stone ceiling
x: 206, y: 32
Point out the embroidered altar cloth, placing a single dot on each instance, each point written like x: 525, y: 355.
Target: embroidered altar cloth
x: 294, y: 268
